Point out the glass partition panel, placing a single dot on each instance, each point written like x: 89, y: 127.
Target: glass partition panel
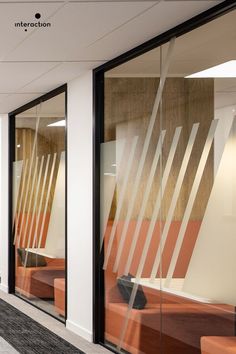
x: 130, y: 196
x: 39, y: 205
x: 168, y: 189
x: 198, y: 239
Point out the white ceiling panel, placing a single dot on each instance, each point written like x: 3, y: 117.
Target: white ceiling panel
x: 59, y: 75
x: 14, y: 76
x: 157, y: 20
x: 10, y: 13
x: 83, y: 35
x: 76, y: 26
x: 3, y: 96
x: 14, y: 101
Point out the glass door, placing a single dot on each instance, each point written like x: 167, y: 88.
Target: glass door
x: 167, y: 196
x: 38, y: 199
x: 131, y: 171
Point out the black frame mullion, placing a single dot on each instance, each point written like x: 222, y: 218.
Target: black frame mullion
x: 11, y: 158
x: 98, y: 274
x: 11, y: 247
x: 98, y: 138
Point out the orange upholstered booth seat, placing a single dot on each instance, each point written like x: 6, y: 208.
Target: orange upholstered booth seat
x: 181, y: 321
x: 35, y: 281
x: 218, y: 345
x: 39, y: 281
x: 59, y: 297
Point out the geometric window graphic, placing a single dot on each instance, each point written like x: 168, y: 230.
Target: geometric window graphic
x: 38, y: 199
x: 167, y: 197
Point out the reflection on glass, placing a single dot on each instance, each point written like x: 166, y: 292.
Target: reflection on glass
x: 39, y: 205
x: 168, y: 212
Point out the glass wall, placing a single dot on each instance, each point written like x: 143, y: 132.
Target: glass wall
x: 168, y: 196
x: 39, y: 205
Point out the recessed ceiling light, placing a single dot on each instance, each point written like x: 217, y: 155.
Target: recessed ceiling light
x: 227, y: 69
x: 60, y: 123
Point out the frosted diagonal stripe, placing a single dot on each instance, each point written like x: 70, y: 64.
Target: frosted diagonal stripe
x: 158, y: 200
x: 145, y: 200
x: 41, y: 202
x: 29, y: 176
x: 47, y: 198
x: 144, y: 151
x: 174, y: 199
x: 191, y: 201
x: 150, y: 231
x: 120, y: 201
x: 17, y: 216
x: 35, y: 204
x: 126, y: 320
x: 30, y: 201
x: 105, y: 209
x: 17, y: 182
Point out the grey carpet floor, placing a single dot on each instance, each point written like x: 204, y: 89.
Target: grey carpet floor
x: 28, y: 336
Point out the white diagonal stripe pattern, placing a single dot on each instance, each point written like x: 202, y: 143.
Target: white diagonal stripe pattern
x: 35, y: 203
x: 150, y: 231
x: 120, y: 201
x: 191, y: 200
x: 47, y: 199
x: 144, y: 151
x: 41, y: 202
x: 118, y: 171
x: 175, y: 197
x: 30, y: 201
x: 18, y: 210
x: 29, y: 176
x: 145, y: 200
x: 158, y: 200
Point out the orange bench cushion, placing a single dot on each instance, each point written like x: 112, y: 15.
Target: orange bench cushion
x: 218, y: 345
x: 38, y: 281
x: 59, y: 295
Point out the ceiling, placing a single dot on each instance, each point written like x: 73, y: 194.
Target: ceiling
x: 82, y: 35
x: 205, y: 47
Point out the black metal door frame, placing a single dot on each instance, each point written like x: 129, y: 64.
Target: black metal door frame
x: 98, y: 138
x: 11, y: 158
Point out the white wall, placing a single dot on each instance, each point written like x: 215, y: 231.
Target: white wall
x: 4, y: 201
x: 79, y: 201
